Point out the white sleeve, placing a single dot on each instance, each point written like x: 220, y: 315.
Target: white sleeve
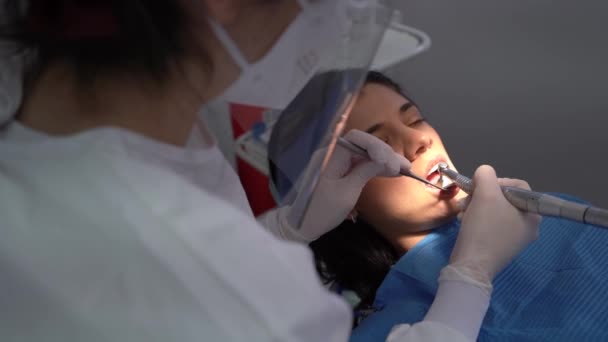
x: 255, y: 287
x: 270, y: 221
x: 455, y: 315
x: 150, y: 258
x: 274, y: 221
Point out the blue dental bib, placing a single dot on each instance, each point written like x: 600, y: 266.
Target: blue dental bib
x: 554, y: 291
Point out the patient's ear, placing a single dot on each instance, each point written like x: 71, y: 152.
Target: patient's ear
x: 352, y: 216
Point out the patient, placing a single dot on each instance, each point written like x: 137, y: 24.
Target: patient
x: 390, y: 251
x: 392, y: 215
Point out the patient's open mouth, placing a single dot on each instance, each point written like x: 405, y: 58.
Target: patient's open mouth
x: 434, y: 177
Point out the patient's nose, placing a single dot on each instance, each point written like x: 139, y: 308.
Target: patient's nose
x: 415, y: 143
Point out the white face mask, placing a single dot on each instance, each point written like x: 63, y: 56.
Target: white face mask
x: 311, y: 74
x: 307, y: 46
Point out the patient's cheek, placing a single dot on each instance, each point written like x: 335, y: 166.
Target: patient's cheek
x: 379, y: 199
x: 376, y: 190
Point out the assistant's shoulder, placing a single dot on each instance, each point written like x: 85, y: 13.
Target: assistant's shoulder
x: 123, y: 235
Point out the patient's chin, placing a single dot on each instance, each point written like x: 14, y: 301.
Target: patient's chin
x: 448, y: 209
x: 442, y: 218
x: 430, y: 223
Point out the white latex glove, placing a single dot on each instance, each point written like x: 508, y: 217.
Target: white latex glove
x: 339, y: 187
x: 492, y: 232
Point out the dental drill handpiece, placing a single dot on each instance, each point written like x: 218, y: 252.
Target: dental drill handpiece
x: 537, y: 202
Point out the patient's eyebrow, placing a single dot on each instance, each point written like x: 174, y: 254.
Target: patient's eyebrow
x: 405, y: 107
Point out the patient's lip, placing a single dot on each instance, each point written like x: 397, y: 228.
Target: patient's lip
x: 449, y: 193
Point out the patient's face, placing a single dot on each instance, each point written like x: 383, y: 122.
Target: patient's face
x: 402, y: 205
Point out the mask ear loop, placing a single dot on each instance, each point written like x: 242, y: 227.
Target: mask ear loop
x: 230, y: 46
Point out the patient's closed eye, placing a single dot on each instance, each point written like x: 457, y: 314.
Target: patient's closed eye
x: 410, y: 114
x: 417, y: 121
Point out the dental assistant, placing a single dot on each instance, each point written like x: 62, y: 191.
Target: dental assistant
x: 121, y: 219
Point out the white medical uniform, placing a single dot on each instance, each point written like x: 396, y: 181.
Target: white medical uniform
x: 109, y: 236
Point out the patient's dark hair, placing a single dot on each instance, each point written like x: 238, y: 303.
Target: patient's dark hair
x: 98, y: 36
x: 356, y: 257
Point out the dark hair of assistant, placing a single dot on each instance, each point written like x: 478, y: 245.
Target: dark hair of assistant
x: 94, y: 37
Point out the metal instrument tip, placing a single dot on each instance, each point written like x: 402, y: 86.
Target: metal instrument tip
x: 442, y: 167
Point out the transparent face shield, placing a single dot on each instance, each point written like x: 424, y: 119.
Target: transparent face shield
x: 305, y: 133
x: 335, y: 43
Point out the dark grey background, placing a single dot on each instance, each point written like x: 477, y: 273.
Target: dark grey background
x: 519, y: 85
